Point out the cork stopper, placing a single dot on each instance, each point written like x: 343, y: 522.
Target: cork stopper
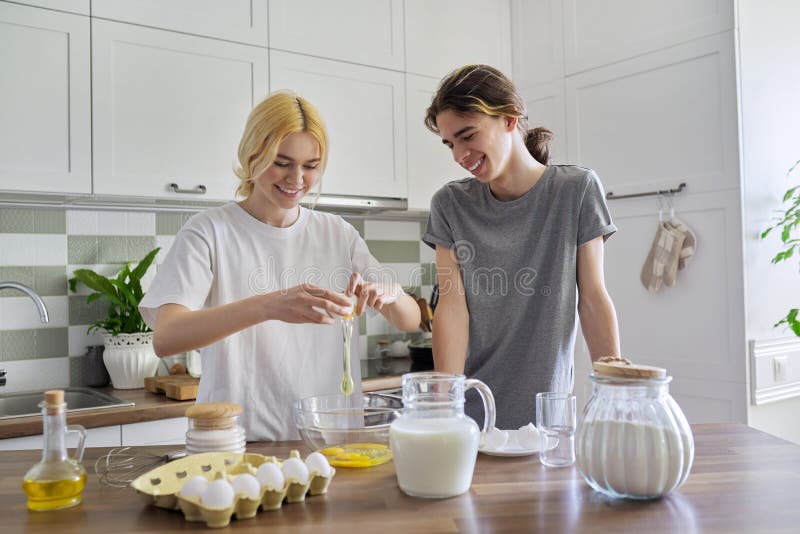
x: 54, y: 400
x: 214, y: 415
x: 624, y: 368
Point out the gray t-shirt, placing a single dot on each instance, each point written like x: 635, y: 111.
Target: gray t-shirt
x: 518, y: 261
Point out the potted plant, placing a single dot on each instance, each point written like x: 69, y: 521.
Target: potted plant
x: 129, y: 355
x: 788, y: 223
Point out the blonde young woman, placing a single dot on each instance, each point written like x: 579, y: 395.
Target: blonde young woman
x: 519, y: 246
x: 256, y: 284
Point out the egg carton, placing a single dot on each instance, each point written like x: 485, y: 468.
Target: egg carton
x: 161, y: 486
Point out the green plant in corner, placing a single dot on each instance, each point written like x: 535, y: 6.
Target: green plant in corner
x: 123, y: 293
x: 788, y: 223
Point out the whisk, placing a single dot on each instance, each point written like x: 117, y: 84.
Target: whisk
x: 122, y: 465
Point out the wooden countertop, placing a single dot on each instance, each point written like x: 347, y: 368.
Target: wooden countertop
x: 148, y: 407
x: 743, y: 480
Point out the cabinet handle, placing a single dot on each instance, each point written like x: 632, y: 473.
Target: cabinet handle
x: 198, y: 190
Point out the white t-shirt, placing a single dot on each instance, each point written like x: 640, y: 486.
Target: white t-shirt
x: 224, y: 255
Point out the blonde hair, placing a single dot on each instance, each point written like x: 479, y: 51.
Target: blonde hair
x: 276, y: 117
x: 484, y: 89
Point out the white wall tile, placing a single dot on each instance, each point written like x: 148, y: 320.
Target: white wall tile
x: 112, y: 223
x: 406, y: 274
x: 81, y: 222
x: 362, y: 343
x: 79, y: 339
x: 140, y: 223
x: 24, y: 375
x: 20, y: 313
x: 392, y: 230
x: 17, y: 249
x: 50, y: 249
x: 378, y: 325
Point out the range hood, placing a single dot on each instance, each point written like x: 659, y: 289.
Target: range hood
x: 354, y: 204
x: 349, y: 205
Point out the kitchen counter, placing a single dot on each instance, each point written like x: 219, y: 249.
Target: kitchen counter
x: 148, y: 407
x: 743, y: 480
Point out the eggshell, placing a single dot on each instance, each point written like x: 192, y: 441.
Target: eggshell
x: 317, y: 463
x: 270, y: 476
x: 495, y: 439
x: 219, y: 494
x: 295, y: 469
x: 246, y: 484
x: 528, y: 437
x: 194, y: 487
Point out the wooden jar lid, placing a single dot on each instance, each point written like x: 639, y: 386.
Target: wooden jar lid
x: 214, y: 415
x: 623, y: 368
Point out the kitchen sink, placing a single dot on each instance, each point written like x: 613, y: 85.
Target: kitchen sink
x: 26, y: 403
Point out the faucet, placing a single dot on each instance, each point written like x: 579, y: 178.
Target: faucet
x: 32, y: 294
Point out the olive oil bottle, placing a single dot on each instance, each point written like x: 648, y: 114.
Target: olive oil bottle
x: 58, y: 480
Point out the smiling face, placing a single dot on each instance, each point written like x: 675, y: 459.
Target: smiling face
x: 480, y: 143
x: 283, y: 183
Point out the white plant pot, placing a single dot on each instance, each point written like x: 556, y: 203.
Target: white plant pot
x: 129, y: 358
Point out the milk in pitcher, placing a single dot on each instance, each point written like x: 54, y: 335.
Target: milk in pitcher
x: 434, y: 458
x: 434, y: 444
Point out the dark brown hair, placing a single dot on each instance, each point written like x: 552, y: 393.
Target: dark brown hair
x: 484, y: 89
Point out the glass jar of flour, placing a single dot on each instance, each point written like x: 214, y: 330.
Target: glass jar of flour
x: 633, y: 440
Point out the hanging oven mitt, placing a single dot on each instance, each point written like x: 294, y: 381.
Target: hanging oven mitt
x: 661, y: 265
x: 689, y: 243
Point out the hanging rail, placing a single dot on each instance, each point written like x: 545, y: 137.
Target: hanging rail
x: 611, y: 196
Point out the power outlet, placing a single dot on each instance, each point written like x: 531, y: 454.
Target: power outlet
x: 780, y: 368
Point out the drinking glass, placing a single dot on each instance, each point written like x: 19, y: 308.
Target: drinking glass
x: 556, y: 420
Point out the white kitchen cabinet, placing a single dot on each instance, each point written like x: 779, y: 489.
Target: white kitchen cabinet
x: 430, y: 163
x: 447, y: 34
x: 242, y: 21
x: 161, y: 432
x: 545, y: 105
x: 364, y: 110
x: 169, y: 109
x: 596, y: 34
x: 537, y: 42
x: 104, y: 436
x: 81, y: 7
x: 660, y: 119
x: 45, y: 117
x: 359, y: 31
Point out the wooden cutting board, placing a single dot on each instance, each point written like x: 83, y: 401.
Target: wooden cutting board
x: 178, y: 387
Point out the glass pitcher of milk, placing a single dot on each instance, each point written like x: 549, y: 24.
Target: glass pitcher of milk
x: 434, y: 444
x: 633, y: 440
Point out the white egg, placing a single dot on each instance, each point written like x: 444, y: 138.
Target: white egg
x: 270, y: 476
x: 218, y: 494
x: 194, y: 487
x: 317, y: 463
x: 495, y: 439
x: 247, y: 484
x: 295, y: 469
x: 528, y: 437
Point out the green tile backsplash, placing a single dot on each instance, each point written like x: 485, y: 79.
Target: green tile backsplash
x: 26, y: 221
x: 81, y: 313
x: 394, y: 251
x: 108, y: 253
x: 33, y: 343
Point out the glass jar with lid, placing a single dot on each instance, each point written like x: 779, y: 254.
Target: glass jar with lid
x: 633, y: 440
x: 214, y: 427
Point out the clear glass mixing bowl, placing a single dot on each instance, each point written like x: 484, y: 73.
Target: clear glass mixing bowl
x: 350, y: 431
